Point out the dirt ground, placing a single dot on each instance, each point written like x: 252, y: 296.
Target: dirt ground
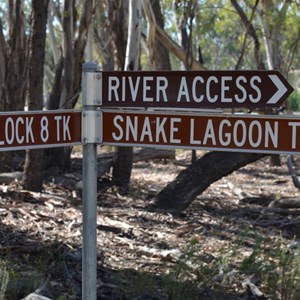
x: 138, y: 245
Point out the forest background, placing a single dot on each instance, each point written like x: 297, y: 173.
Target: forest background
x: 43, y: 44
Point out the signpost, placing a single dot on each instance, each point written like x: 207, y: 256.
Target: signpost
x: 97, y: 124
x: 89, y: 195
x: 174, y: 90
x: 39, y: 129
x: 243, y: 133
x: 192, y: 89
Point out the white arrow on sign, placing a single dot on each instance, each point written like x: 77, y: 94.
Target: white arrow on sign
x: 281, y: 89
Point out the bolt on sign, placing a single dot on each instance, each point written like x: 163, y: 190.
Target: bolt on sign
x: 243, y: 133
x: 193, y: 89
x: 39, y: 129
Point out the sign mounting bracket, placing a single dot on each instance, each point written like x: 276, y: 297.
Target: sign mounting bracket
x: 92, y: 89
x: 91, y: 131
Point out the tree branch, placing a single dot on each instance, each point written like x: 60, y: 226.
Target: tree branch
x: 251, y: 31
x: 169, y: 44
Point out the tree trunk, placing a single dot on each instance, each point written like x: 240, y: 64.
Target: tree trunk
x: 14, y: 51
x: 271, y: 31
x: 272, y: 38
x: 122, y: 168
x: 134, y: 34
x: 67, y: 82
x: 123, y: 162
x: 79, y: 48
x: 117, y: 16
x: 250, y: 30
x: 180, y: 193
x: 62, y: 87
x: 184, y: 22
x: 52, y: 39
x: 165, y: 40
x: 191, y: 182
x: 68, y: 69
x: 16, y: 58
x: 2, y: 62
x: 53, y: 101
x: 159, y: 55
x: 33, y: 170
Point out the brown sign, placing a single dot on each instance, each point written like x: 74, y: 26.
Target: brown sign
x: 244, y: 133
x: 194, y: 89
x: 26, y: 130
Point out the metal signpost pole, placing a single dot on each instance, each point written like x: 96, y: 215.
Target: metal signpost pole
x: 89, y: 255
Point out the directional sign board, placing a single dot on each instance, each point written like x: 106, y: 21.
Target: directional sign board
x: 226, y: 132
x: 40, y: 129
x: 193, y: 89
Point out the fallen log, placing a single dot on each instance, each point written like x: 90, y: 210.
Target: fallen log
x: 285, y: 203
x: 105, y: 162
x: 196, y: 178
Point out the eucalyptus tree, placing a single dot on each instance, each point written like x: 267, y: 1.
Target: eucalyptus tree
x: 33, y: 169
x: 158, y: 54
x: 73, y: 19
x: 13, y: 62
x: 158, y: 60
x: 124, y: 157
x: 165, y: 37
x: 264, y: 22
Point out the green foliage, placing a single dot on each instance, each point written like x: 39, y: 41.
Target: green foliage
x: 17, y: 280
x: 4, y: 278
x: 272, y: 265
x: 280, y: 272
x: 132, y: 284
x: 222, y: 36
x: 275, y: 265
x: 294, y: 101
